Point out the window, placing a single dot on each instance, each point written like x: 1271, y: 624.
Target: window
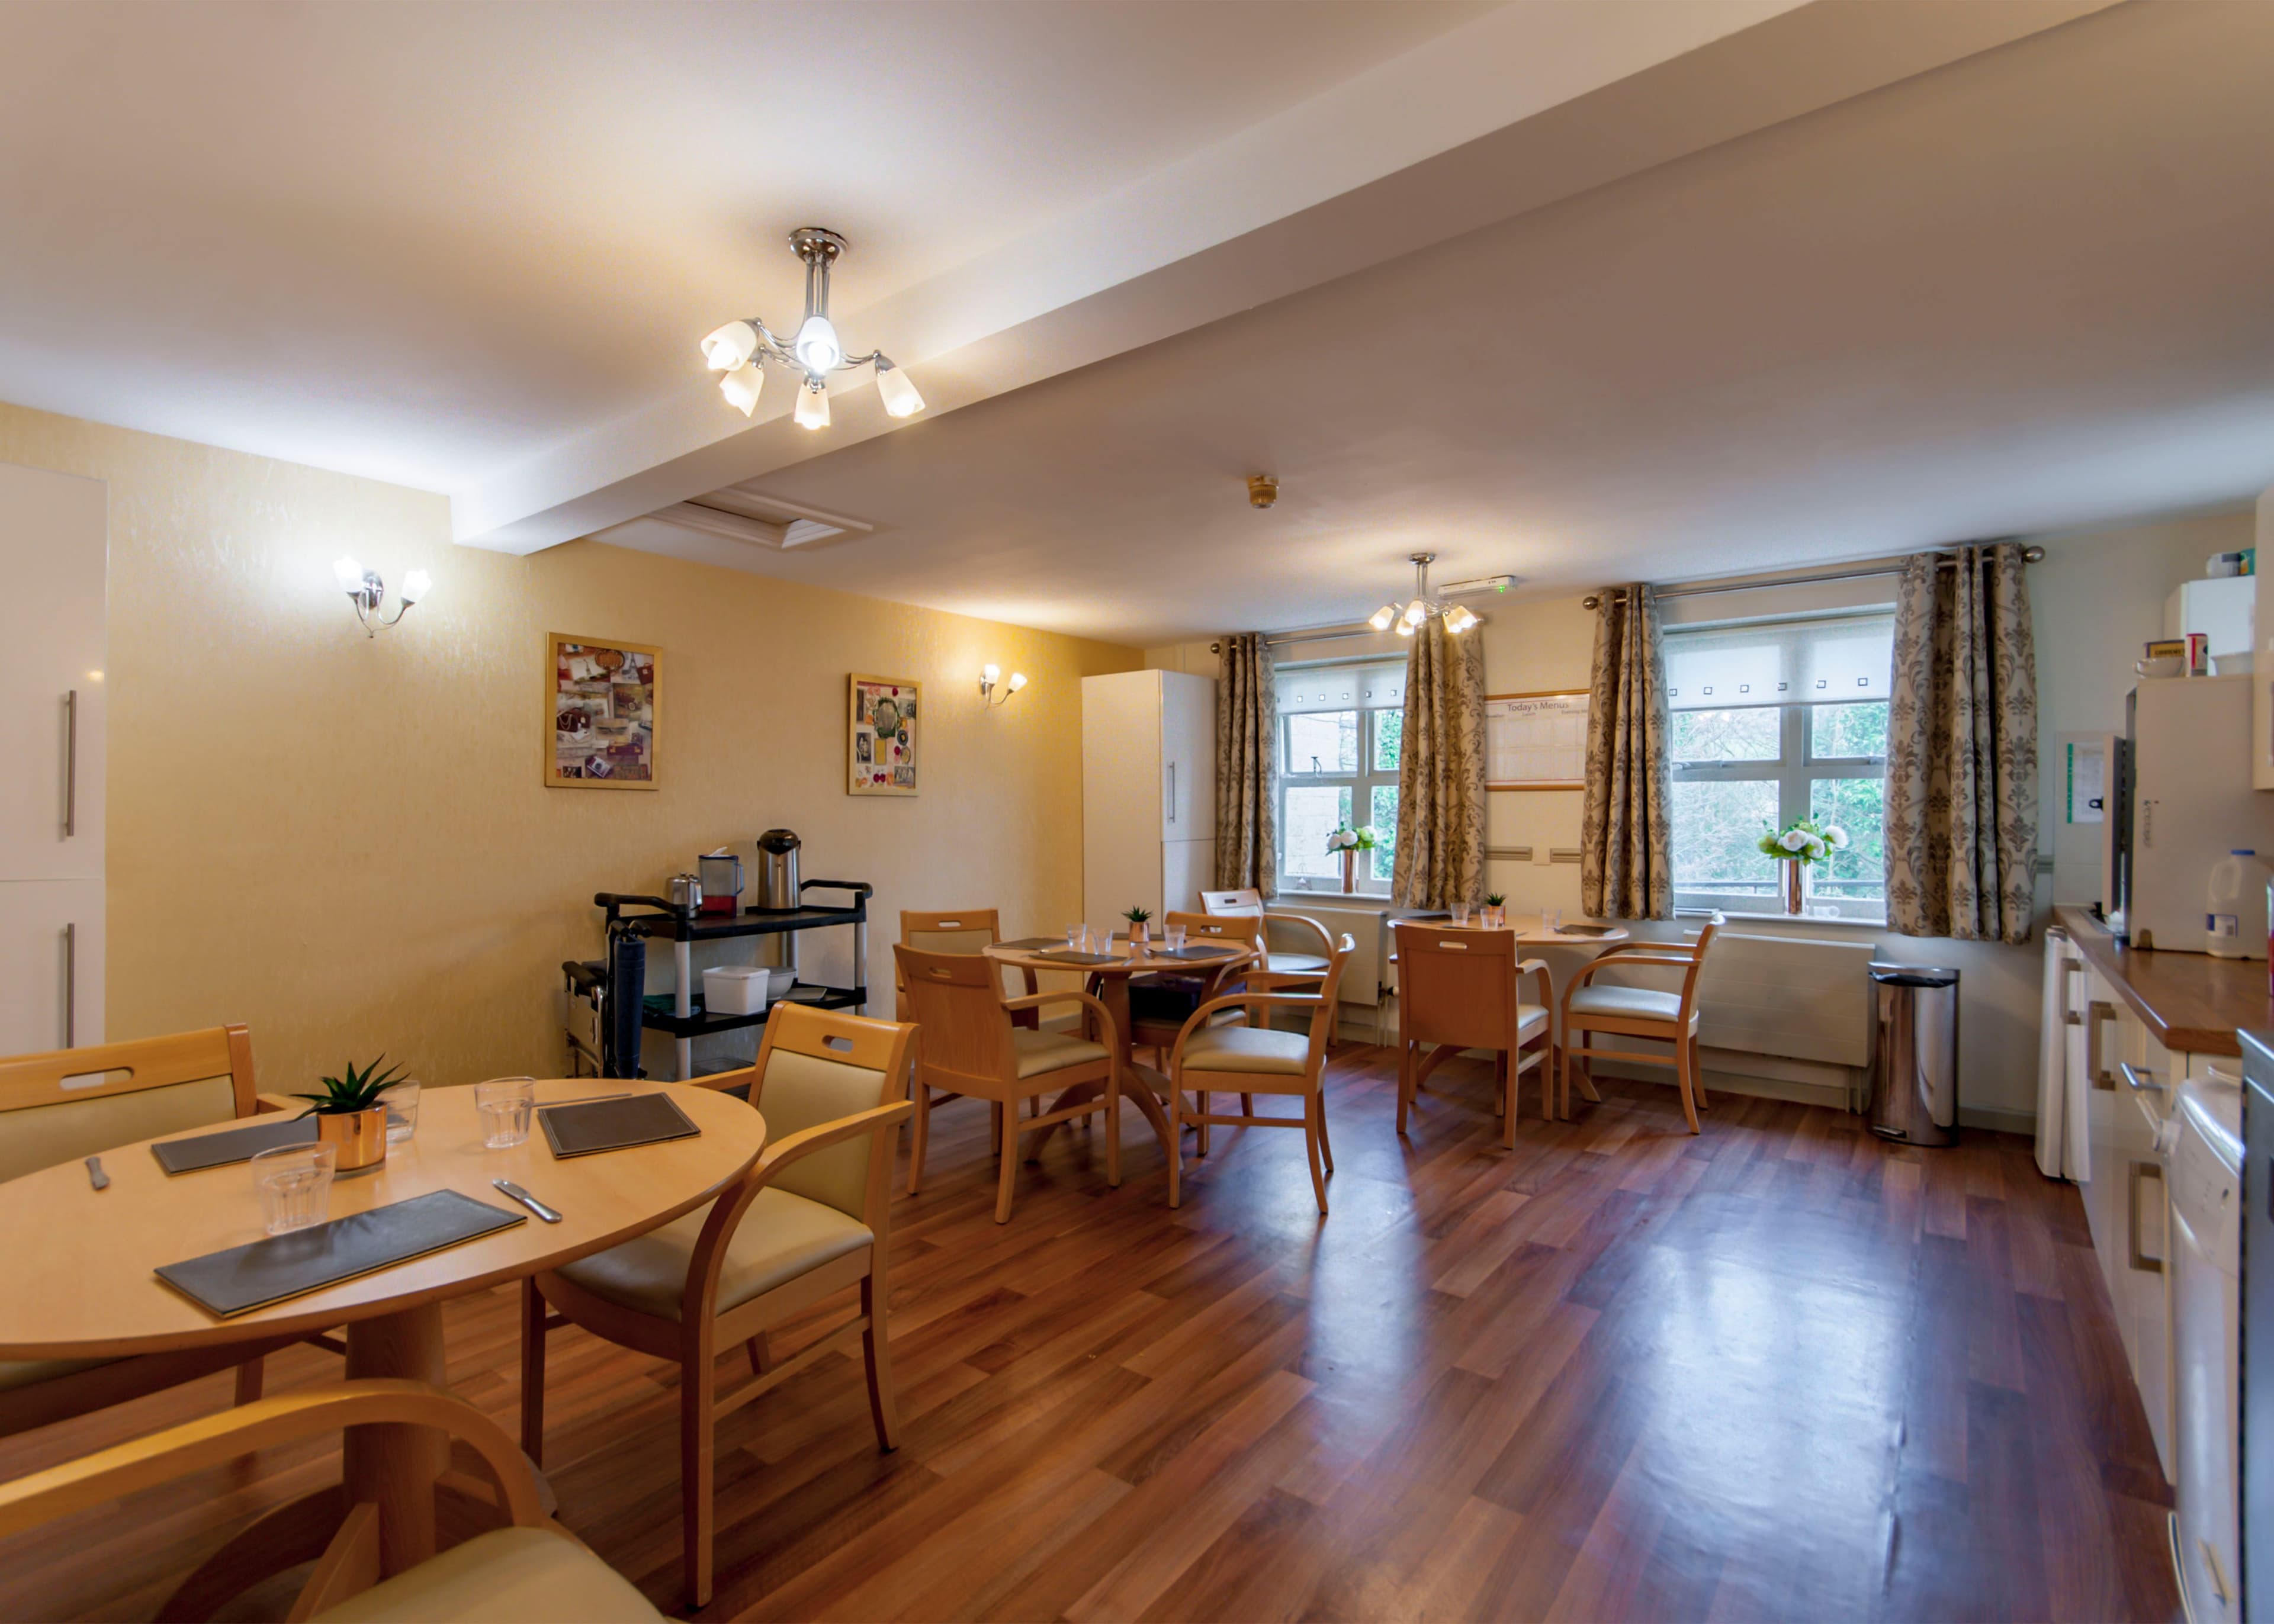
x: 1771, y: 722
x: 1339, y: 730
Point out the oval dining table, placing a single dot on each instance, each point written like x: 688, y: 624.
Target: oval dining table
x: 1113, y: 971
x: 78, y: 1281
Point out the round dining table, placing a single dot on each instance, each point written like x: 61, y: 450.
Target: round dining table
x: 1110, y: 972
x: 77, y: 1282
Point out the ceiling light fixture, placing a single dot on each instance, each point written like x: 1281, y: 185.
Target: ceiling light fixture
x: 1410, y: 616
x: 740, y: 348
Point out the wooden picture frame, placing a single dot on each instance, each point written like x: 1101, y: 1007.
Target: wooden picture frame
x: 880, y: 762
x: 612, y: 744
x: 1493, y: 716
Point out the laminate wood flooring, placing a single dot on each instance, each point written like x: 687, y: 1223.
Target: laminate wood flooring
x: 1780, y: 1371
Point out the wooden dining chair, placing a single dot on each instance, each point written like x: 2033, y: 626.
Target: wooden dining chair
x: 533, y: 1569
x: 1669, y: 1018
x: 1461, y: 989
x: 970, y: 1047
x: 1248, y: 1058
x: 1296, y: 946
x: 953, y: 930
x: 69, y: 1103
x: 809, y: 1220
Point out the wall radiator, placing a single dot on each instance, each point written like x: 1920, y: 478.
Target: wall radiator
x: 1368, y: 929
x: 1799, y: 999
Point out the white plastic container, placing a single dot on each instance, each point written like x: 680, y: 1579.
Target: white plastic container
x: 735, y: 989
x: 2234, y: 923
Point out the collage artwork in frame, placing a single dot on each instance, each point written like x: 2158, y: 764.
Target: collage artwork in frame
x: 880, y: 749
x: 603, y: 700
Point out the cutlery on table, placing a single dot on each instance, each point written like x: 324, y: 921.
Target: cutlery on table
x: 527, y: 1199
x: 95, y: 1175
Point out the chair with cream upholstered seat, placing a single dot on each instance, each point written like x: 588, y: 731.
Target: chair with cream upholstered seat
x: 69, y: 1103
x: 1669, y: 1018
x: 1250, y: 1058
x: 531, y: 1569
x: 1293, y: 946
x: 969, y: 1045
x: 1459, y: 989
x: 954, y: 930
x: 810, y: 1219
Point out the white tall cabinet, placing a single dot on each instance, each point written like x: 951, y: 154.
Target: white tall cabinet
x: 1147, y: 792
x: 53, y: 559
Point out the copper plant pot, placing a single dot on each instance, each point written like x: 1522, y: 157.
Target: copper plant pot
x: 1795, y: 886
x: 358, y: 1138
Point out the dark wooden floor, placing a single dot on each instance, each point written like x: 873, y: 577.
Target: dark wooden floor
x: 1782, y: 1371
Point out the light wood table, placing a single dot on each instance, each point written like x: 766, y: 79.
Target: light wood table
x: 1113, y: 978
x: 77, y: 1282
x: 1531, y: 930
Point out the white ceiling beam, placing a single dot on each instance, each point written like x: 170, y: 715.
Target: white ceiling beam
x: 1528, y: 106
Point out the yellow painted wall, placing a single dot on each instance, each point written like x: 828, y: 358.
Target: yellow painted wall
x: 345, y: 843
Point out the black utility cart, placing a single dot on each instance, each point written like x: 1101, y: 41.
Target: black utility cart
x: 615, y: 988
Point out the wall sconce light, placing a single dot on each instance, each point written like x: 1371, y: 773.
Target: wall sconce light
x: 991, y: 678
x: 366, y: 590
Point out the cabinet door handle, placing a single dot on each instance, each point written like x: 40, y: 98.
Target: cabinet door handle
x: 1172, y: 792
x: 2069, y: 1016
x: 2137, y: 1080
x: 71, y: 763
x: 2134, y: 1172
x: 2097, y: 1013
x: 70, y: 986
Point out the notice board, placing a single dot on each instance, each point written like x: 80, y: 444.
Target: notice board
x: 1536, y: 740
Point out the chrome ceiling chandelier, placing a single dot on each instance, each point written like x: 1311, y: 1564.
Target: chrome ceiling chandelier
x: 739, y: 349
x: 1410, y: 617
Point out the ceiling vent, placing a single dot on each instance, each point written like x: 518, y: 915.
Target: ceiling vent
x: 740, y: 514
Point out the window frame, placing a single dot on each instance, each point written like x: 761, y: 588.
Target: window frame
x: 1360, y: 784
x: 1794, y: 770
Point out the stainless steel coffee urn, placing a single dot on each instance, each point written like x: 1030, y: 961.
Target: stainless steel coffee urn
x: 778, y: 888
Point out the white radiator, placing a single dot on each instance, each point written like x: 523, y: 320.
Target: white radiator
x: 1797, y: 998
x: 1368, y: 929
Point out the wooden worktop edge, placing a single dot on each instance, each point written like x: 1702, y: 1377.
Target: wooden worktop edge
x: 2194, y: 1020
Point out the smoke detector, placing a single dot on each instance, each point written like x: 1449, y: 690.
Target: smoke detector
x: 1263, y: 490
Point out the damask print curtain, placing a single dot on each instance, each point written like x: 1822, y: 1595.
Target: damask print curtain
x: 1246, y: 767
x: 1962, y: 749
x: 1626, y: 829
x: 1441, y: 772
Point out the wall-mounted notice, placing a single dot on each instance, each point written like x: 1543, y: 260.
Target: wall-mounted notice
x: 1535, y: 740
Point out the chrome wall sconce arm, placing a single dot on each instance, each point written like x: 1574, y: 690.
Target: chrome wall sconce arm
x: 367, y: 592
x: 991, y: 678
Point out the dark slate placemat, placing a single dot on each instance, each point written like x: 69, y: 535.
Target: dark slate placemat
x: 212, y: 1150
x: 586, y: 1128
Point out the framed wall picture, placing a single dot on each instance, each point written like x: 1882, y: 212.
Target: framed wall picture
x: 604, y: 700
x: 880, y: 742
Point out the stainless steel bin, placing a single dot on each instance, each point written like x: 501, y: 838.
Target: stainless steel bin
x: 1914, y: 1093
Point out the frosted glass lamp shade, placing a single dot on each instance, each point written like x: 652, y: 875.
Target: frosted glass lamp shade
x: 899, y: 395
x: 730, y: 347
x: 990, y: 673
x: 349, y: 573
x: 741, y: 386
x: 813, y: 405
x: 1018, y: 680
x: 416, y: 585
x: 818, y: 347
x: 1380, y: 618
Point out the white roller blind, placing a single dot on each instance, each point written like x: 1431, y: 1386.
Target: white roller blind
x: 1817, y: 661
x: 1341, y: 688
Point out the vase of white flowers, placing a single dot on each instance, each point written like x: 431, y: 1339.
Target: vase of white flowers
x: 1800, y: 845
x: 1350, y: 842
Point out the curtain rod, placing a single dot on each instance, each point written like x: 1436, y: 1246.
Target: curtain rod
x: 1942, y: 561
x: 1316, y: 634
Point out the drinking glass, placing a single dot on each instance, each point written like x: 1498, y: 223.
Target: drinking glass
x: 402, y: 1102
x: 1554, y: 919
x: 1174, y: 934
x: 505, y: 1104
x: 1077, y: 938
x: 1460, y: 913
x: 295, y: 1182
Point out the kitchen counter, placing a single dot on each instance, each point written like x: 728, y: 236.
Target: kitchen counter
x: 2191, y: 1002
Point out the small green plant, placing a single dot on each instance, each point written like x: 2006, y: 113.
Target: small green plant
x: 1494, y: 899
x: 358, y: 1091
x: 1136, y: 916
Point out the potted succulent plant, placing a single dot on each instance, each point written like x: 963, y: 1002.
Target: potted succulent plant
x: 351, y: 1116
x: 1350, y: 842
x: 1495, y: 910
x: 1138, y: 918
x: 1799, y: 845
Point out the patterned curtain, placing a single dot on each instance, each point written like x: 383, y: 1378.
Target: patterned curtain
x: 1962, y: 749
x: 1626, y: 833
x: 1246, y: 767
x: 1441, y: 772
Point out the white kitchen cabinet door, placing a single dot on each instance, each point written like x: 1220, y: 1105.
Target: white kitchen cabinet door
x: 51, y: 945
x: 52, y: 557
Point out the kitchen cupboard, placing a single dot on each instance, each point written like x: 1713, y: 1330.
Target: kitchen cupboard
x: 1147, y: 793
x: 52, y: 621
